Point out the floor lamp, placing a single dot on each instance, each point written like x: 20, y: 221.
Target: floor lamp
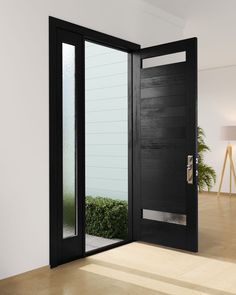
x: 228, y: 133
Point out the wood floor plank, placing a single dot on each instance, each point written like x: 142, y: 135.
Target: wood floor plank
x: 140, y: 268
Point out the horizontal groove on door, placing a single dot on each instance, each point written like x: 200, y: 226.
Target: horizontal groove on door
x: 170, y: 80
x: 159, y: 154
x: 161, y: 163
x: 164, y: 132
x: 160, y: 143
x: 179, y: 89
x: 177, y: 68
x: 150, y: 170
x: 164, y: 216
x: 163, y: 122
x: 163, y: 101
x: 163, y: 112
x: 162, y: 81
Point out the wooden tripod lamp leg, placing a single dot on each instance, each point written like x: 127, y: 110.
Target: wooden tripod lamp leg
x: 230, y: 169
x: 232, y: 166
x: 223, y: 170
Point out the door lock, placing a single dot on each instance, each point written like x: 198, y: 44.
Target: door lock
x: 190, y: 169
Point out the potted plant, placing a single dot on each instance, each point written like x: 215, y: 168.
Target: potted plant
x: 206, y: 174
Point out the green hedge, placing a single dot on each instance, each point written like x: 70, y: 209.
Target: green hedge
x: 105, y: 217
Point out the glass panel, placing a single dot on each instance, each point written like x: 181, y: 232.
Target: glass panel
x: 165, y: 216
x: 164, y: 59
x: 69, y: 193
x: 106, y: 110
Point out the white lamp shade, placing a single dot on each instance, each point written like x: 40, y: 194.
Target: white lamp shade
x: 228, y: 133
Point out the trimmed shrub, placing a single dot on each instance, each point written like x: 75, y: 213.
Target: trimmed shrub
x: 106, y: 217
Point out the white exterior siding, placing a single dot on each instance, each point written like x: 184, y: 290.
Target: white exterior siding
x: 106, y: 122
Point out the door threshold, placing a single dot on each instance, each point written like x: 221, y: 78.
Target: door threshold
x: 108, y: 247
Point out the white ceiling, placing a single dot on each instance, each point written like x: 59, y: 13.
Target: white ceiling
x: 175, y: 7
x: 213, y: 22
x: 190, y: 8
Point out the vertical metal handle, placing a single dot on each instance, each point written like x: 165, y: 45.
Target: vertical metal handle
x: 190, y: 169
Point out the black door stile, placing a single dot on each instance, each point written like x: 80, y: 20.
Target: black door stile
x: 165, y: 133
x: 136, y: 147
x: 63, y: 250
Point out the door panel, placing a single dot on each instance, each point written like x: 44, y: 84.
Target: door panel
x: 66, y: 146
x: 166, y: 208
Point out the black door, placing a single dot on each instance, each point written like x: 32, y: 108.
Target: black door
x: 165, y: 146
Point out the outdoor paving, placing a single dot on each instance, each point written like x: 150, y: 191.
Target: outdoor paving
x: 91, y: 242
x: 94, y: 242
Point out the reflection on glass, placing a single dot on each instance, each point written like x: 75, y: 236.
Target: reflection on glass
x: 68, y: 98
x: 106, y: 114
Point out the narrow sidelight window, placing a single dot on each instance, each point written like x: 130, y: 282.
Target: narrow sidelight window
x: 68, y: 118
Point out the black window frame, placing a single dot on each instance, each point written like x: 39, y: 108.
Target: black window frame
x: 55, y: 131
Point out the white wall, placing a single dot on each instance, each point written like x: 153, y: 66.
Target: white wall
x: 217, y: 73
x: 24, y: 175
x: 213, y: 22
x: 217, y: 107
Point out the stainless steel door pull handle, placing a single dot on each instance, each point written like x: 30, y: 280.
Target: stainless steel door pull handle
x: 190, y: 169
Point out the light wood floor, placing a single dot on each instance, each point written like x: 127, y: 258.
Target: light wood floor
x: 217, y: 227
x: 140, y: 268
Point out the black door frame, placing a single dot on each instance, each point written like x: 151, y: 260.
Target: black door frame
x: 60, y: 30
